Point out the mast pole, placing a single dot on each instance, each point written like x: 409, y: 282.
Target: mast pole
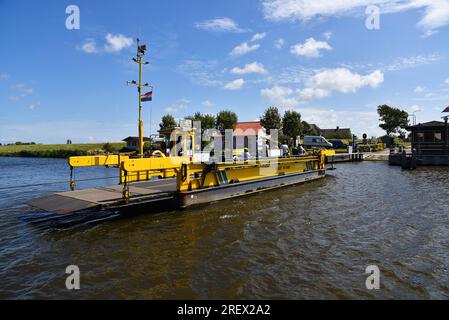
x: 139, y: 90
x: 139, y: 60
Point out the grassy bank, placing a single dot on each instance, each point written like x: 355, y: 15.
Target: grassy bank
x: 56, y: 150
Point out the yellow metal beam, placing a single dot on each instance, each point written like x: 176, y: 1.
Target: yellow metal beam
x: 225, y: 173
x: 103, y: 160
x: 151, y: 164
x: 142, y: 169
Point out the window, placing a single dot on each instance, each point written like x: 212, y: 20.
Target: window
x: 438, y: 136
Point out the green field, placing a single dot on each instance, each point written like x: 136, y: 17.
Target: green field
x: 56, y: 150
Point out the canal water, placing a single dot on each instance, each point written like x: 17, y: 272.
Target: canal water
x: 311, y: 241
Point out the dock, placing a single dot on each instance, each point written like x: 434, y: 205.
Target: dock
x: 407, y: 160
x: 345, y: 157
x: 357, y: 157
x: 103, y: 198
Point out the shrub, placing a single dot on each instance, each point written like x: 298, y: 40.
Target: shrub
x: 107, y: 147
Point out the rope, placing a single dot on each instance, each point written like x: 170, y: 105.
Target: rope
x: 60, y: 182
x: 52, y: 182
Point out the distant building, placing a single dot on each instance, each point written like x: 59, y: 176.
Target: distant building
x: 431, y: 141
x: 315, y: 130
x: 132, y: 143
x: 248, y: 130
x: 336, y: 133
x: 250, y: 134
x: 387, y: 140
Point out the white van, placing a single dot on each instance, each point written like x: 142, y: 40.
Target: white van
x: 316, y: 142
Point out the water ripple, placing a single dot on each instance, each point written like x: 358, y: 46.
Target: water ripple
x: 311, y: 241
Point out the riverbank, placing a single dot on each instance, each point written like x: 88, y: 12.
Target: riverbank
x: 57, y: 150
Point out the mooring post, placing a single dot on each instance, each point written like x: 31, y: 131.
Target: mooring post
x: 72, y: 178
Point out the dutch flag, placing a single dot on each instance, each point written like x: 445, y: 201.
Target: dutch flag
x: 147, y: 96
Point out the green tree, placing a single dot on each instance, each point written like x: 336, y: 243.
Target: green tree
x: 393, y: 119
x: 226, y: 120
x: 168, y: 122
x: 189, y: 118
x: 306, y: 129
x: 207, y: 120
x: 291, y: 124
x: 341, y: 134
x: 147, y: 146
x: 271, y: 119
x: 107, y: 147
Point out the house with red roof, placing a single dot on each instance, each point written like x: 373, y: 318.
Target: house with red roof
x: 249, y: 134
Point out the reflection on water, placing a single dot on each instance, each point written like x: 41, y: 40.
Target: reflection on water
x: 302, y: 242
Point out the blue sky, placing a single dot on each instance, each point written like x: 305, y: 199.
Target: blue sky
x: 316, y: 57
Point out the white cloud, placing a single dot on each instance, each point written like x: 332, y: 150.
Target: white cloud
x: 343, y: 80
x: 312, y: 93
x: 207, y: 104
x: 116, y: 43
x: 304, y: 10
x: 441, y: 96
x: 327, y: 35
x: 280, y: 96
x: 4, y: 76
x: 219, y: 25
x: 311, y: 48
x: 415, y: 108
x: 321, y: 85
x: 254, y: 67
x: 89, y: 46
x: 22, y: 91
x: 291, y: 74
x: 397, y: 64
x: 279, y: 43
x: 180, y: 104
x: 243, y: 49
x: 446, y: 81
x: 235, y: 85
x: 258, y: 36
x: 171, y: 110
x: 419, y: 89
x: 34, y: 105
x: 411, y: 62
x: 201, y: 72
x: 23, y: 88
x: 435, y: 13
